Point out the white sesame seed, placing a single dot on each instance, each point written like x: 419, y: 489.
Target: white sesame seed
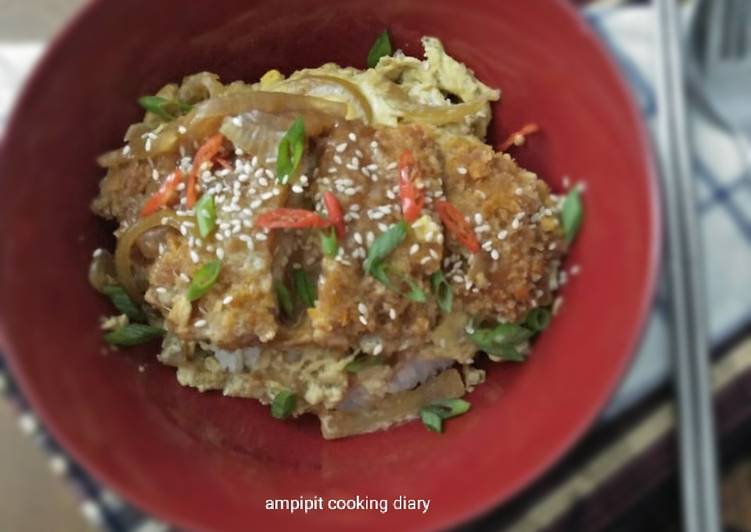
x: 337, y: 159
x: 352, y: 137
x: 414, y: 249
x: 220, y: 253
x: 357, y: 237
x: 515, y: 223
x: 392, y: 313
x: 363, y: 320
x: 194, y: 256
x: 200, y: 323
x: 362, y: 308
x: 519, y: 191
x: 461, y: 170
x: 502, y: 234
x: 297, y: 189
x: 495, y: 255
x: 126, y: 149
x: 378, y: 349
x: 425, y: 260
x: 227, y: 300
x: 392, y: 166
x: 478, y: 218
x: 382, y: 226
x: 263, y: 182
x: 350, y: 192
x: 261, y: 236
x: 341, y: 147
x: 433, y: 253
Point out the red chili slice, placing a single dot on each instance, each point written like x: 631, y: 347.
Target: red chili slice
x: 166, y: 194
x: 290, y: 219
x: 412, y: 198
x: 524, y: 131
x: 454, y: 221
x: 335, y: 212
x: 205, y: 153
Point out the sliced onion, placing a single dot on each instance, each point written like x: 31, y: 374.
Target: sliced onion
x: 102, y: 270
x: 237, y: 102
x: 259, y: 133
x: 123, y: 258
x: 339, y: 89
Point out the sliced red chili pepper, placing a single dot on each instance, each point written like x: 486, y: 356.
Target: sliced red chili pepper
x: 205, y: 153
x: 283, y: 218
x: 513, y: 139
x: 166, y: 194
x: 458, y: 226
x: 335, y: 212
x: 412, y: 197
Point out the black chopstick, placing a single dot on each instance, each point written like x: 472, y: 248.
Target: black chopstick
x: 696, y: 434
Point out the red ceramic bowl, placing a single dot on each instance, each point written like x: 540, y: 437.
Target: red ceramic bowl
x: 208, y: 462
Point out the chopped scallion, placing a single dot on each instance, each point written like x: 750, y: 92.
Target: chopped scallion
x: 124, y: 303
x: 381, y: 47
x: 572, y: 212
x: 284, y: 299
x: 364, y: 361
x: 304, y: 288
x: 382, y: 246
x: 204, y: 279
x: 133, y: 334
x: 163, y: 107
x: 205, y: 215
x: 442, y: 291
x: 290, y: 151
x: 329, y: 244
x: 434, y: 414
x: 538, y: 319
x: 283, y: 404
x: 502, y: 341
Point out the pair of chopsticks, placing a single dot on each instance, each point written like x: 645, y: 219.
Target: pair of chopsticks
x: 696, y: 434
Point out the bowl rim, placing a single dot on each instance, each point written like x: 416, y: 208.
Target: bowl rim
x: 482, y: 507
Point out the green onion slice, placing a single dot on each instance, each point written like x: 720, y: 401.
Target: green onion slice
x: 415, y: 293
x: 124, y: 303
x: 204, y: 279
x: 163, y: 107
x: 381, y: 47
x: 431, y: 420
x: 434, y: 414
x: 442, y: 291
x: 572, y: 212
x: 133, y: 334
x: 283, y: 404
x: 304, y: 288
x: 364, y: 361
x: 290, y: 151
x: 205, y: 215
x: 501, y: 341
x: 329, y: 244
x: 382, y: 246
x: 284, y: 299
x: 538, y: 319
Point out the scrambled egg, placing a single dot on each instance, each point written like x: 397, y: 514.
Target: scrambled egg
x: 399, y: 89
